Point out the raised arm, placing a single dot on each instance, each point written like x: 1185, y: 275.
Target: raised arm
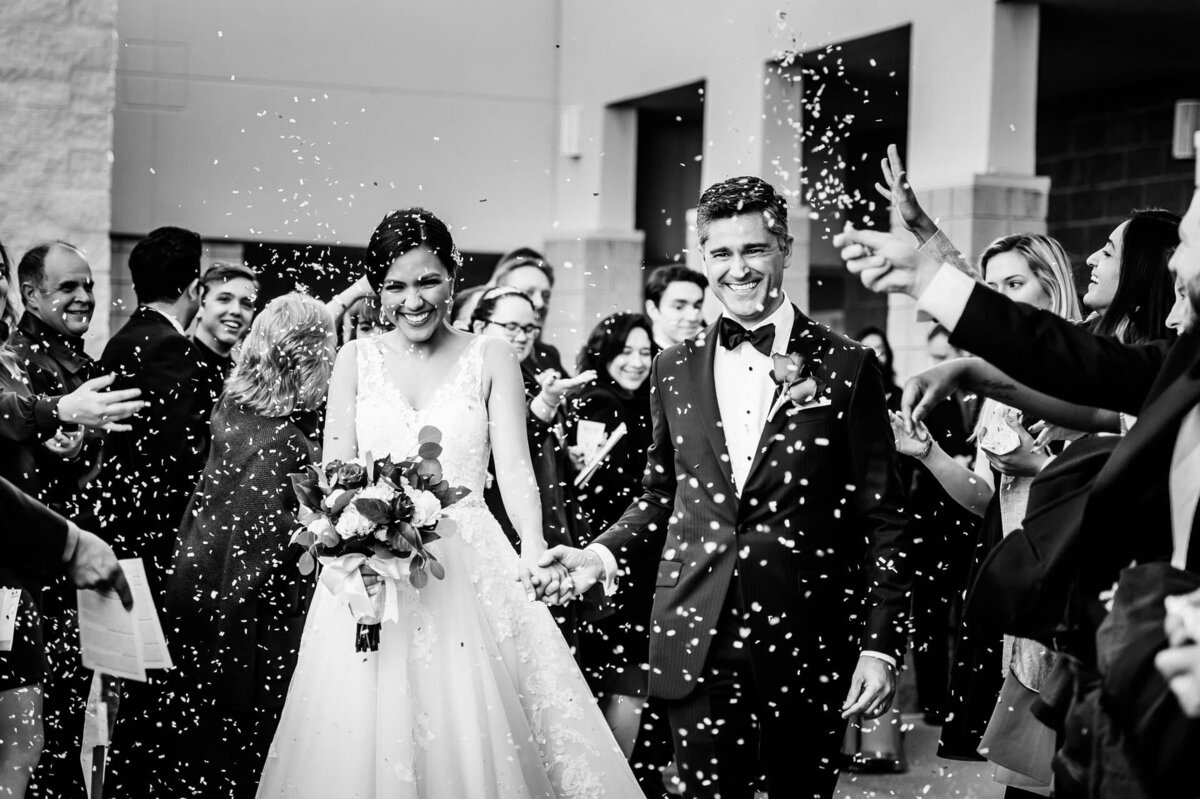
x: 1035, y: 347
x: 341, y: 441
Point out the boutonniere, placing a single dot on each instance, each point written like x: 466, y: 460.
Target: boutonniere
x: 792, y: 384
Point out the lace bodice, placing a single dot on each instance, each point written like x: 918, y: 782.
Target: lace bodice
x: 387, y: 423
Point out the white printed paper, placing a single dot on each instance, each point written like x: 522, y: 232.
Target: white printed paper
x: 10, y: 603
x: 594, y: 463
x: 120, y: 642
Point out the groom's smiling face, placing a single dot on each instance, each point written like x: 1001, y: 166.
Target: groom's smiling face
x: 744, y: 261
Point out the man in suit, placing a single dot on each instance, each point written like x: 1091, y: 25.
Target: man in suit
x: 153, y: 465
x: 782, y: 588
x: 149, y: 478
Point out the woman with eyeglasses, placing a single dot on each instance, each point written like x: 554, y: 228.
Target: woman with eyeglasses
x: 506, y: 312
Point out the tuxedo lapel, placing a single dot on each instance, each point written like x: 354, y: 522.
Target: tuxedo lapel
x: 701, y: 357
x: 806, y: 341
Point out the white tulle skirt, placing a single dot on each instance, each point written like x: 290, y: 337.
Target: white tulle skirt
x: 473, y: 694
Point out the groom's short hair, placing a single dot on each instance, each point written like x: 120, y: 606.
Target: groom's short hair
x: 739, y: 196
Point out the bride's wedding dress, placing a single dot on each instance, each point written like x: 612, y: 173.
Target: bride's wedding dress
x: 472, y: 694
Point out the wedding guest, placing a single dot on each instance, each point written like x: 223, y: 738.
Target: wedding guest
x: 146, y: 483
x: 228, y: 293
x: 528, y: 271
x: 28, y: 422
x: 1131, y: 290
x: 235, y: 599
x: 39, y: 543
x: 675, y: 304
x: 464, y: 307
x: 1145, y: 485
x: 1031, y: 269
x: 616, y: 648
x: 877, y: 340
x: 57, y: 291
x: 364, y: 319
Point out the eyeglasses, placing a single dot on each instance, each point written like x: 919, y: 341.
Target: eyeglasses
x: 533, y: 331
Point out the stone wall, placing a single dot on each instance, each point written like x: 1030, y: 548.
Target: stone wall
x: 1108, y: 153
x: 57, y: 94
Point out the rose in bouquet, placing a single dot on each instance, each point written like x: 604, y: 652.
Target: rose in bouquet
x: 379, y: 515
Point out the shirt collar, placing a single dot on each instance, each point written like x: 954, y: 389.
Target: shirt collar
x: 783, y: 318
x: 169, y: 317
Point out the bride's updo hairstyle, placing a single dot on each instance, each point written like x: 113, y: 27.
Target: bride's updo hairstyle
x: 287, y: 358
x: 403, y: 231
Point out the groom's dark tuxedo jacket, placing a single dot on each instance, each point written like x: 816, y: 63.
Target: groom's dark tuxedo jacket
x: 1127, y: 515
x: 814, y: 538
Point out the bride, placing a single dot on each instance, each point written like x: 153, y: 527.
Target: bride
x: 472, y: 693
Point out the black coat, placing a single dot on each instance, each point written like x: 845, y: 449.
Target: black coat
x: 150, y: 471
x: 1126, y: 515
x: 816, y: 536
x: 236, y: 601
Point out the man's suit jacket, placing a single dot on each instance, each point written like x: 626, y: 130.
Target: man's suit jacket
x: 1127, y: 515
x: 814, y: 538
x: 147, y: 486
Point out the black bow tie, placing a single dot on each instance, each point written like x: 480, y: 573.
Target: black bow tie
x: 733, y: 334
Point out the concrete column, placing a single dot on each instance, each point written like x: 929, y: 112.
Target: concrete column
x: 983, y: 183
x: 58, y: 62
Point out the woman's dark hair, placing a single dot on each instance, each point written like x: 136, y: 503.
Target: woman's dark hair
x: 491, y: 296
x: 404, y: 231
x: 1145, y: 286
x: 607, y: 339
x: 888, y: 368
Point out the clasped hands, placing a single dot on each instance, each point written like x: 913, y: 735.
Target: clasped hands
x: 560, y: 574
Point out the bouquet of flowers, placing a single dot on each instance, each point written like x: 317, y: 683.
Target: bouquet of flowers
x: 378, y: 514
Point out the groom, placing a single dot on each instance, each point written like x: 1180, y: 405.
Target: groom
x: 781, y: 606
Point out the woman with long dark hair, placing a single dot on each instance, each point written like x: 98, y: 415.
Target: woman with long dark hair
x: 1131, y: 290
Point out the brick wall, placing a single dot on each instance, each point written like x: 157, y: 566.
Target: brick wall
x: 57, y: 94
x: 1108, y: 153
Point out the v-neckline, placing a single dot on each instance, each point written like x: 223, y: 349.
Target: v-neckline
x: 446, y: 380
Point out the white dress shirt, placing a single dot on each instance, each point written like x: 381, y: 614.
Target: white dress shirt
x: 169, y: 317
x: 742, y: 378
x: 945, y: 299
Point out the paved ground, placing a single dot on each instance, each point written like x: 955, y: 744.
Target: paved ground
x: 928, y: 777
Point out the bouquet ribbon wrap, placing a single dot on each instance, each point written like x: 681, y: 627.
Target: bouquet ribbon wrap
x: 342, y: 577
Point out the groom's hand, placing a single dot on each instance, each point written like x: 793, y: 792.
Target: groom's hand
x: 884, y: 263
x: 585, y: 566
x: 871, y: 689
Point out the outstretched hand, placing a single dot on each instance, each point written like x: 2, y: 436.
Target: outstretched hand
x: 912, y: 444
x: 91, y: 406
x: 871, y: 689
x: 884, y: 263
x: 926, y: 389
x: 556, y: 385
x: 898, y: 191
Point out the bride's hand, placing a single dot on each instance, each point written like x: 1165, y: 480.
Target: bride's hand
x: 370, y: 578
x: 549, y: 584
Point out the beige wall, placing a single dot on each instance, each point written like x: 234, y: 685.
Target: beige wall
x: 283, y: 120
x: 57, y: 60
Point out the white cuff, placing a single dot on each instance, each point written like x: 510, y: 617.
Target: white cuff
x: 888, y: 659
x: 610, y: 567
x: 946, y: 296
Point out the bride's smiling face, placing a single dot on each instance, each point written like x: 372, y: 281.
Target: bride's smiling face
x: 416, y: 294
